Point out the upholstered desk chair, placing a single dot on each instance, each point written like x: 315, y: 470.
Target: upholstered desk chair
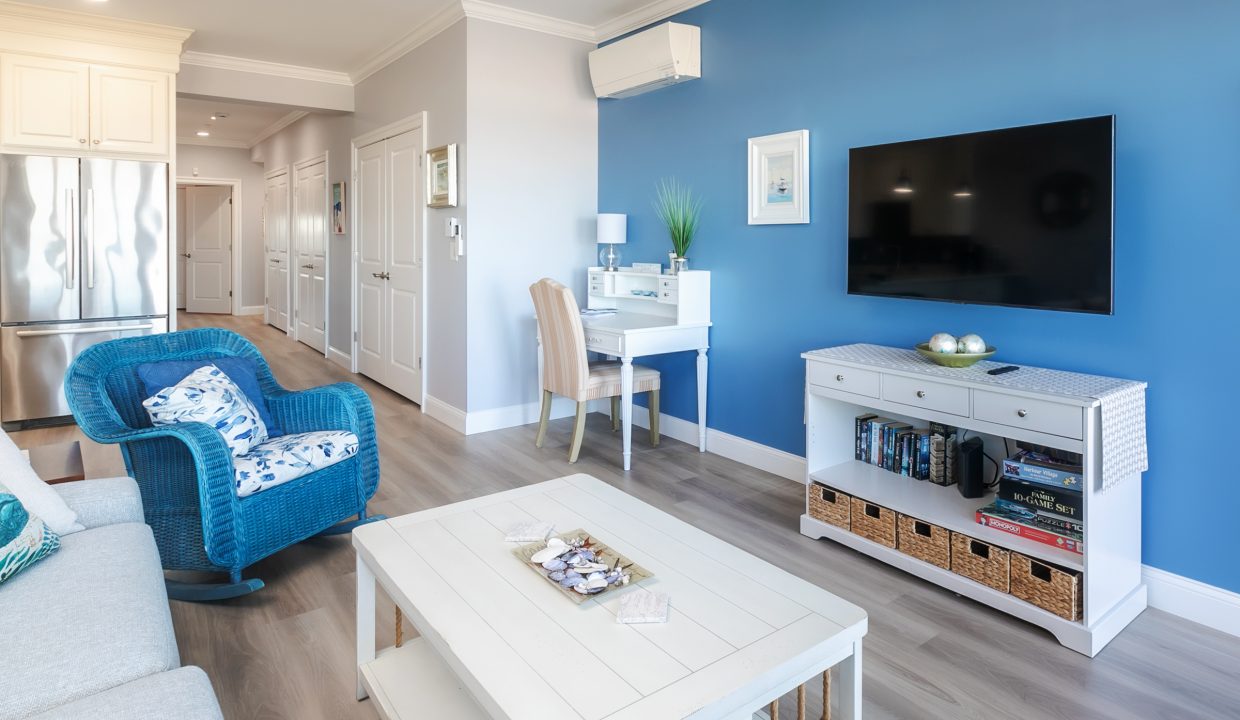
x: 567, y: 370
x: 185, y: 471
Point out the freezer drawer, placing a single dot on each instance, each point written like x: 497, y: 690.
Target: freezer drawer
x: 34, y: 358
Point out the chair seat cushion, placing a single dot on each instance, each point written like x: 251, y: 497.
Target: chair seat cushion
x: 289, y: 457
x: 89, y: 618
x: 604, y: 380
x: 156, y: 376
x: 208, y: 395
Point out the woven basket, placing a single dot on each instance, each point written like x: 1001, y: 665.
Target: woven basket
x: 924, y: 541
x: 981, y: 561
x: 873, y: 522
x: 1047, y: 586
x: 829, y: 506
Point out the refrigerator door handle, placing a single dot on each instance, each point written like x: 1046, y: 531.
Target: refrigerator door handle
x: 84, y: 331
x: 90, y: 238
x: 70, y: 240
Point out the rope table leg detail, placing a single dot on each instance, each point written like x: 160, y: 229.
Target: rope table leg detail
x: 773, y: 708
x: 400, y: 628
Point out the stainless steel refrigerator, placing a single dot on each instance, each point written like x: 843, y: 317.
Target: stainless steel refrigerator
x: 83, y: 259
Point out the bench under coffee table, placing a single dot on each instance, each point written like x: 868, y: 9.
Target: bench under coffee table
x: 499, y: 641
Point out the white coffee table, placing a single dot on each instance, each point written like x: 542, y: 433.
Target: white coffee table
x: 498, y: 641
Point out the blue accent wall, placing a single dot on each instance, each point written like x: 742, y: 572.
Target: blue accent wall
x: 860, y: 73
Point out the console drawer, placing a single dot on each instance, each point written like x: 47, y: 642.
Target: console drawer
x: 848, y: 379
x: 604, y: 342
x: 1043, y: 416
x: 951, y: 399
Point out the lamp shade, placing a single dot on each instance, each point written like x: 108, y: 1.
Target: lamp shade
x: 613, y: 228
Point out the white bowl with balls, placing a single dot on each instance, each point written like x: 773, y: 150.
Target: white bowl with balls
x: 957, y: 352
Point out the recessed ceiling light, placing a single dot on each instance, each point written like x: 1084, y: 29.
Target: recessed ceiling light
x: 203, y: 133
x: 213, y: 117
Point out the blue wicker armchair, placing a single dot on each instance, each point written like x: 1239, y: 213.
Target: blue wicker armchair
x: 185, y: 470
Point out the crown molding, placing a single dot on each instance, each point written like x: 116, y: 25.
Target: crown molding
x: 482, y: 10
x: 92, y: 38
x: 437, y: 23
x: 276, y: 127
x: 643, y: 16
x: 263, y: 67
x: 75, y: 24
x: 213, y: 142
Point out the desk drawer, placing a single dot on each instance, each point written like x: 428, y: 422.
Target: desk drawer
x: 951, y: 399
x: 596, y: 288
x: 669, y: 297
x: 668, y: 283
x: 848, y: 379
x: 604, y: 342
x: 596, y: 278
x: 1043, y: 416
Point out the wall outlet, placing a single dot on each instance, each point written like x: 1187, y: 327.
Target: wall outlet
x: 452, y: 228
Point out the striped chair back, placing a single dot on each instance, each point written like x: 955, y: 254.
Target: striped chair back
x: 566, y: 368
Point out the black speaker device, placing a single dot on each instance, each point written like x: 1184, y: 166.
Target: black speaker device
x: 969, y: 480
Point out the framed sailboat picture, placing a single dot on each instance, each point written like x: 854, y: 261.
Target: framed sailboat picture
x: 779, y: 178
x: 338, y: 208
x: 441, y: 177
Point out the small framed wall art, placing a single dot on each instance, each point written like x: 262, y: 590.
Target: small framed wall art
x: 338, y: 208
x: 779, y: 178
x: 441, y: 177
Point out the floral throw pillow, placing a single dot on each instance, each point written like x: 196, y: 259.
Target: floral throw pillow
x: 208, y: 396
x: 24, y: 539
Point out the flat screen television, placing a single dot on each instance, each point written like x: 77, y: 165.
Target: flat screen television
x: 1018, y: 217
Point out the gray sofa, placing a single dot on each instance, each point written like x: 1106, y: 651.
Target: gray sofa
x: 87, y: 631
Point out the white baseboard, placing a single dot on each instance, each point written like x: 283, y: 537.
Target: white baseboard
x: 340, y: 357
x: 733, y: 447
x: 252, y: 310
x: 480, y: 421
x: 1193, y: 600
x: 449, y: 415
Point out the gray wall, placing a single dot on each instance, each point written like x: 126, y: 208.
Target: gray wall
x: 235, y: 164
x: 533, y: 168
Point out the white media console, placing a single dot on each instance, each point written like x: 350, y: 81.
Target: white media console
x: 1052, y: 408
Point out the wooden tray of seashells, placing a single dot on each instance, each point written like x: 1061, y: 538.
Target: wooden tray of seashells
x: 581, y: 566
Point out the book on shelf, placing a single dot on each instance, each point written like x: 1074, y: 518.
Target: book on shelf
x: 942, y: 454
x: 892, y: 445
x: 1049, y: 499
x: 1026, y: 525
x: 1044, y: 469
x: 1049, y: 519
x: 863, y: 434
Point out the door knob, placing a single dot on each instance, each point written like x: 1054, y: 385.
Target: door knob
x: 185, y: 255
x: 307, y: 267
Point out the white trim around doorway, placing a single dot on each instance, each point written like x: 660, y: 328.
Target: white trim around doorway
x: 238, y: 242
x: 417, y: 121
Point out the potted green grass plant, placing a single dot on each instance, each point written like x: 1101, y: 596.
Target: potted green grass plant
x: 681, y: 212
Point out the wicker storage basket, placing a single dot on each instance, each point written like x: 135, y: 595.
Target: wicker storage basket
x: 981, y: 561
x: 829, y: 506
x: 873, y: 522
x: 924, y: 541
x: 1048, y: 586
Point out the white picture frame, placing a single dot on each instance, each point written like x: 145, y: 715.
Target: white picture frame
x: 779, y: 179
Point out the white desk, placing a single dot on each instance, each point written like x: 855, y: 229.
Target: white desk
x: 499, y: 642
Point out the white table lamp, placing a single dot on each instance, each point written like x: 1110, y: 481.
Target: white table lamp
x: 612, y: 231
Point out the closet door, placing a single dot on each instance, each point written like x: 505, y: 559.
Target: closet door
x: 404, y: 252
x: 208, y: 249
x: 276, y: 243
x: 310, y: 212
x: 371, y: 214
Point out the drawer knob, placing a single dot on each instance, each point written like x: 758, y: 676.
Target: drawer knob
x: 839, y: 378
x: 1022, y: 413
x: 921, y: 393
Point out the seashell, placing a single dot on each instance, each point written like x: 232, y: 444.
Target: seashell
x: 596, y: 583
x: 555, y: 564
x: 555, y: 547
x: 591, y: 567
x: 571, y: 578
x: 556, y: 575
x: 581, y: 588
x: 624, y: 579
x: 587, y: 553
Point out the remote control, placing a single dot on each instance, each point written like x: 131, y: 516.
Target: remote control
x: 1001, y: 370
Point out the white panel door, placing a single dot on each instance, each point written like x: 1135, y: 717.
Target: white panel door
x: 43, y: 103
x: 182, y: 253
x: 208, y: 246
x: 310, y: 228
x: 275, y: 245
x: 370, y: 193
x: 404, y: 252
x: 129, y: 110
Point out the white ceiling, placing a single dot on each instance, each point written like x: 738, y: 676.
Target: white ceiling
x: 243, y: 125
x: 324, y: 34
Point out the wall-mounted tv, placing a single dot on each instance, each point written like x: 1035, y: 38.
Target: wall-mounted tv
x: 1018, y: 217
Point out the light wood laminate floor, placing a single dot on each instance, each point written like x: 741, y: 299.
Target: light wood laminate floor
x: 287, y: 651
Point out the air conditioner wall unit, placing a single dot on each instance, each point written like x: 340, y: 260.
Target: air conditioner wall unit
x: 663, y: 55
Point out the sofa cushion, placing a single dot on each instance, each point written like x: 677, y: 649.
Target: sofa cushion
x: 207, y: 395
x: 24, y: 539
x: 184, y: 694
x: 156, y: 376
x: 103, y: 501
x: 91, y: 617
x: 289, y: 457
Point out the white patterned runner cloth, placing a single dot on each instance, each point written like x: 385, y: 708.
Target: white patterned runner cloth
x: 1124, y: 451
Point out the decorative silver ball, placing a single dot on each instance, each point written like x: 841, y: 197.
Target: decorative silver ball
x: 972, y: 344
x: 943, y: 343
